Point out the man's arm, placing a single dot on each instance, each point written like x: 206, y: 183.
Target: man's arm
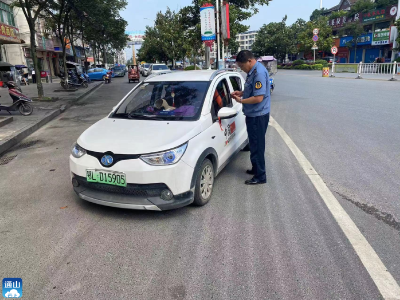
x: 251, y: 100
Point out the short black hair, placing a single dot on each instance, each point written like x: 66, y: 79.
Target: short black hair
x: 244, y: 56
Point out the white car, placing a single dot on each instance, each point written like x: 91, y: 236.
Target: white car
x: 162, y: 146
x: 145, y: 69
x: 156, y: 69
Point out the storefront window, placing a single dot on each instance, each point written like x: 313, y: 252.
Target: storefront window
x: 382, y: 26
x: 368, y: 28
x: 6, y: 14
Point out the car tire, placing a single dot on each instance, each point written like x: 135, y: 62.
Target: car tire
x: 204, y: 183
x: 104, y: 77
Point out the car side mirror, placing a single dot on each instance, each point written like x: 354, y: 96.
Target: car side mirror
x: 227, y: 113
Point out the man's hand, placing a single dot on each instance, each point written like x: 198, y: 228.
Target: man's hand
x: 237, y: 98
x: 237, y: 93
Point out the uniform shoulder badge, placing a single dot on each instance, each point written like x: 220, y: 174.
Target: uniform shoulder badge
x: 258, y: 85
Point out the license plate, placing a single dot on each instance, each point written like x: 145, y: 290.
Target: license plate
x: 106, y: 177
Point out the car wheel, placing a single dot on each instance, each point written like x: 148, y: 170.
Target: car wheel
x: 104, y: 77
x: 204, y: 183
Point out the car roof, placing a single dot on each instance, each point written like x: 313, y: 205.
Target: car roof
x: 200, y: 75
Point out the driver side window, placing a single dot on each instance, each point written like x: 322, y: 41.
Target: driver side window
x: 221, y: 97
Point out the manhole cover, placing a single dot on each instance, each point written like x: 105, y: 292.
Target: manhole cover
x: 6, y: 160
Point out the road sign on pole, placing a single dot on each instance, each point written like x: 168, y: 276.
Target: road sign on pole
x: 334, y: 50
x: 315, y: 38
x: 316, y: 31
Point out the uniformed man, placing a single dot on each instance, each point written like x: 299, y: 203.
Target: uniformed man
x: 256, y: 106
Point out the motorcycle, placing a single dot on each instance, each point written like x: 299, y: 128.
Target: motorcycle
x: 108, y: 77
x: 73, y: 80
x: 20, y: 101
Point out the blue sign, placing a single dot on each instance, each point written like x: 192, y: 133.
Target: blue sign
x: 365, y: 39
x: 12, y: 287
x: 315, y: 38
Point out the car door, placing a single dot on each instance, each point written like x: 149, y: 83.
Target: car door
x: 223, y: 130
x: 237, y: 84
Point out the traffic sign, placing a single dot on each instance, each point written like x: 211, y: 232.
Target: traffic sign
x: 334, y: 50
x: 316, y: 31
x: 315, y: 47
x: 315, y: 38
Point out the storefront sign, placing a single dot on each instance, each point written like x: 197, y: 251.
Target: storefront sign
x: 207, y: 15
x: 9, y: 33
x: 365, y: 39
x: 381, y: 38
x: 379, y: 14
x: 342, y: 21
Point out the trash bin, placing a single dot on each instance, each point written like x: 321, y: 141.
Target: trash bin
x: 325, y: 72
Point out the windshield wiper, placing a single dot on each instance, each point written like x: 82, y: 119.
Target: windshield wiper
x: 133, y: 115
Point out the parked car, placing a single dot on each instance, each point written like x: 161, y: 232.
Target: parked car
x: 154, y: 151
x: 330, y: 59
x: 145, y: 69
x: 158, y: 68
x: 97, y: 73
x: 119, y: 71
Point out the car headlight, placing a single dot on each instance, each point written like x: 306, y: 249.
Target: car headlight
x: 164, y: 158
x: 78, y: 151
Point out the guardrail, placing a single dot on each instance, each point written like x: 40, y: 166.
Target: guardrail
x: 368, y: 68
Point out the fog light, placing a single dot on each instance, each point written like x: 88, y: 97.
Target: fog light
x: 166, y: 195
x: 75, y: 182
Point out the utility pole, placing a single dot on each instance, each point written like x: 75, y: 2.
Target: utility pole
x: 395, y: 45
x: 320, y: 5
x: 218, y: 37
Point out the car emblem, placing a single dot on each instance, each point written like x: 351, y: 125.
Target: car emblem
x: 107, y: 160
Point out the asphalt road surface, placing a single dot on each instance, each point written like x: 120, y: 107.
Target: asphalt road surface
x: 275, y: 241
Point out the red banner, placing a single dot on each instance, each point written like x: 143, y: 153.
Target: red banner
x: 8, y: 33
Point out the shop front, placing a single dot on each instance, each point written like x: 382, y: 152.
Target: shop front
x: 8, y: 35
x: 363, y: 42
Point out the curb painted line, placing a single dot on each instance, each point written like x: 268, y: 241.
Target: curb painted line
x: 384, y: 281
x: 25, y: 132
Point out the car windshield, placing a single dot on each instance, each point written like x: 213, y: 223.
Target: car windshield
x: 118, y: 68
x: 160, y: 67
x: 146, y: 65
x: 179, y: 100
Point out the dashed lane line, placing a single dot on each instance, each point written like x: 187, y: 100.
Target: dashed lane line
x: 385, y: 282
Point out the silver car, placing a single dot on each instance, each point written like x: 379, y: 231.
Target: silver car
x: 158, y: 69
x: 145, y: 69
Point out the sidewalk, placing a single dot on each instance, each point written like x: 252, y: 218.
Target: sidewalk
x: 43, y: 111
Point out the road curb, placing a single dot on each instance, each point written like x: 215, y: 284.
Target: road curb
x: 25, y: 132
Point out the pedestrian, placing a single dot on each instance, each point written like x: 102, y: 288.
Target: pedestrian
x: 256, y: 102
x: 33, y: 75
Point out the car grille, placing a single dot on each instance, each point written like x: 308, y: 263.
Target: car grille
x: 139, y: 190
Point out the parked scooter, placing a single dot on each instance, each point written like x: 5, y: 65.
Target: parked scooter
x: 77, y: 81
x: 20, y: 101
x: 86, y: 76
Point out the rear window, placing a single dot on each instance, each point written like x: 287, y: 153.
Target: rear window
x: 160, y: 67
x: 180, y: 100
x: 98, y: 70
x: 118, y: 68
x: 90, y: 71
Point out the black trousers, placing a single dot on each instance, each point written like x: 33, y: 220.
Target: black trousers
x: 256, y: 130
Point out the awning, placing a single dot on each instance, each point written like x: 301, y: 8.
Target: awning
x: 266, y: 58
x: 73, y: 63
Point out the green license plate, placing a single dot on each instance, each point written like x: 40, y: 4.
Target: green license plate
x: 106, y: 177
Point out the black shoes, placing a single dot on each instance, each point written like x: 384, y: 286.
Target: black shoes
x: 254, y: 181
x: 251, y: 172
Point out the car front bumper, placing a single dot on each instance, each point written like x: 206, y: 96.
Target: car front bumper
x: 145, y: 184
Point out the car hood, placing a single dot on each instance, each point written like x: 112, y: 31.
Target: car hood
x: 122, y: 136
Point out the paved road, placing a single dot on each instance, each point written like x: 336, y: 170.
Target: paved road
x: 277, y: 241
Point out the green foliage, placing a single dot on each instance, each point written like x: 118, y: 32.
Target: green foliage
x: 361, y: 6
x: 191, y: 68
x: 321, y: 62
x: 318, y: 66
x: 397, y: 59
x: 337, y: 14
x: 316, y: 14
x: 298, y: 62
x: 276, y: 39
x: 325, y: 40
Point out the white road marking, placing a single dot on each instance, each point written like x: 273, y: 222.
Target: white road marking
x: 385, y: 282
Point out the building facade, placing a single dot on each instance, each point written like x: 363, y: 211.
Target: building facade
x: 9, y: 31
x: 375, y: 43
x: 246, y: 40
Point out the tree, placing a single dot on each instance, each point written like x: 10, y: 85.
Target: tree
x: 317, y: 13
x: 325, y: 39
x: 275, y: 39
x: 32, y: 10
x: 355, y: 30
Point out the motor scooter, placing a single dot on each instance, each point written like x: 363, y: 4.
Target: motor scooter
x: 108, y: 77
x: 271, y: 82
x: 77, y: 81
x: 20, y: 101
